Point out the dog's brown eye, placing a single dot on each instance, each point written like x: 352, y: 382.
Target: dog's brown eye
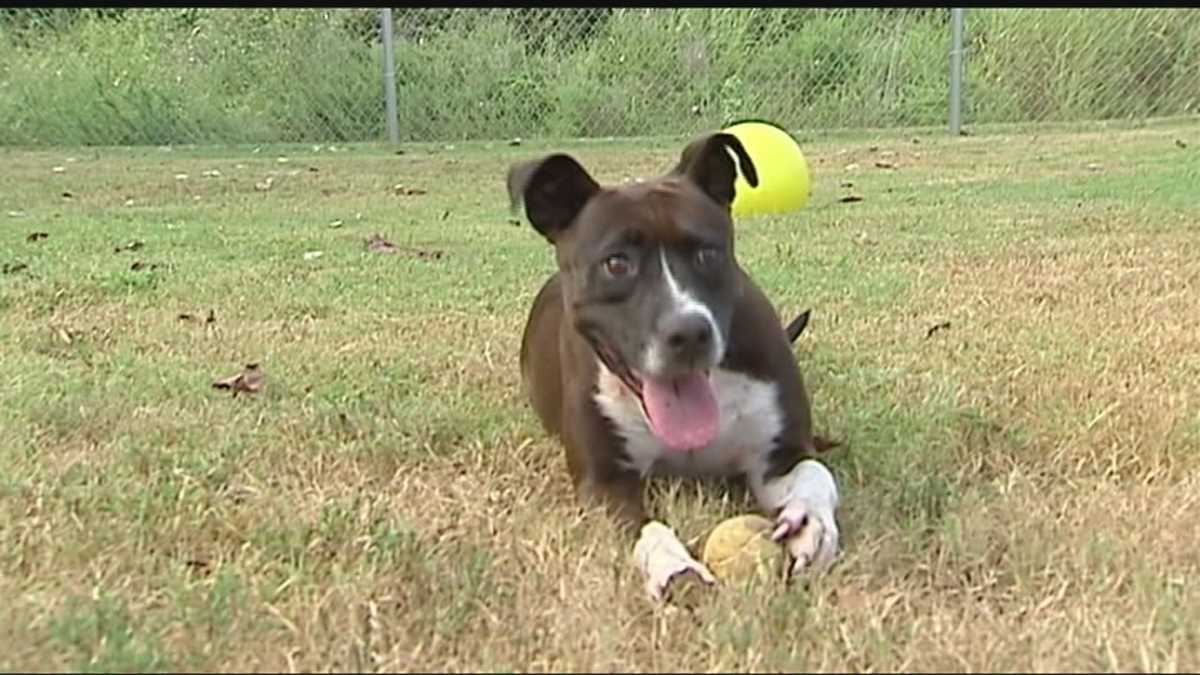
x: 706, y: 257
x: 617, y: 266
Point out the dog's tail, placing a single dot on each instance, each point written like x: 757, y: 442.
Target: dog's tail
x: 796, y: 327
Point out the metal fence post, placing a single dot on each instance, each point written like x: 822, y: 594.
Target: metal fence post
x: 956, y: 70
x: 389, y: 75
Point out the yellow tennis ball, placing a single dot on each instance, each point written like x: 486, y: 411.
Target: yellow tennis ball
x: 740, y: 549
x: 783, y: 179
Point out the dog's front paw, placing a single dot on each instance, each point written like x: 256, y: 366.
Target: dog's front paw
x: 810, y: 535
x: 808, y: 498
x: 663, y: 559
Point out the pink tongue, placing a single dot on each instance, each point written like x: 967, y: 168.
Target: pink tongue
x: 683, y: 412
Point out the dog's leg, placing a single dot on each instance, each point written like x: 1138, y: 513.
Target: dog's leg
x: 619, y: 493
x: 658, y: 554
x: 803, y: 502
x: 662, y: 559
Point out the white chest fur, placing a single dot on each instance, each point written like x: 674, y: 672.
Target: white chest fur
x: 750, y: 421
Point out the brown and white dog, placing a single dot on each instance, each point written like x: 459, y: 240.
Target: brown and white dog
x: 651, y: 351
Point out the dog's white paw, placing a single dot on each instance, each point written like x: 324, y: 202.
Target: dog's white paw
x: 810, y: 535
x: 662, y: 558
x: 806, y: 499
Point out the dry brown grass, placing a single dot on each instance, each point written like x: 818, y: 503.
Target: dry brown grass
x: 1021, y: 488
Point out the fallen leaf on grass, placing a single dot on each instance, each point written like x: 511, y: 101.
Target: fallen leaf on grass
x: 377, y: 244
x: 347, y: 428
x: 945, y: 325
x: 188, y: 316
x: 131, y: 246
x: 406, y: 191
x: 239, y: 494
x: 850, y: 199
x: 197, y: 566
x: 13, y: 268
x: 249, y: 381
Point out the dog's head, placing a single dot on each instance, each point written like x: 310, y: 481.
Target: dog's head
x: 648, y: 271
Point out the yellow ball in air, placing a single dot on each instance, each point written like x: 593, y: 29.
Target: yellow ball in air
x: 783, y: 179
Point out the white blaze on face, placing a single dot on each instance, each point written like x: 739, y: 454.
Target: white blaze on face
x: 682, y: 303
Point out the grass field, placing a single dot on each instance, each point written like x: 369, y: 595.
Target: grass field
x: 1020, y: 484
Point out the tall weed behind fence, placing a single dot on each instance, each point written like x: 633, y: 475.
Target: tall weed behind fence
x: 162, y: 76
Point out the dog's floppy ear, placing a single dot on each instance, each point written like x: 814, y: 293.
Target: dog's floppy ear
x: 554, y: 189
x: 707, y: 162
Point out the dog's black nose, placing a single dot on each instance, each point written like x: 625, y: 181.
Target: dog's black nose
x: 688, y: 336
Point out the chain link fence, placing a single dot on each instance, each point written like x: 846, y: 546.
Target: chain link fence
x: 1065, y: 65
x: 171, y: 76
